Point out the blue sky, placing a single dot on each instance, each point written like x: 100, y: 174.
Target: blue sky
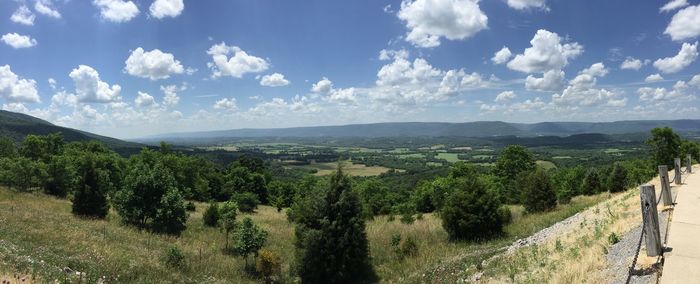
x: 135, y: 68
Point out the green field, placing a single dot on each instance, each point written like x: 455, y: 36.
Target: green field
x: 323, y: 169
x: 450, y: 157
x: 547, y: 165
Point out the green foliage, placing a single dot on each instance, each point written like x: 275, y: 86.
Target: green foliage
x: 613, y: 238
x: 37, y: 147
x: 247, y: 201
x: 171, y: 214
x: 247, y: 175
x: 7, y: 148
x: 665, y: 145
x: 332, y: 245
x: 211, y: 215
x: 689, y: 147
x: 471, y: 211
x: 404, y: 247
x: 227, y: 220
x: 174, y: 257
x: 189, y: 206
x: 538, y: 194
x: 513, y: 161
x: 422, y: 197
x: 90, y: 197
x: 505, y: 215
x: 61, y: 176
x: 591, y: 183
x: 617, y: 181
x: 269, y: 265
x: 248, y: 239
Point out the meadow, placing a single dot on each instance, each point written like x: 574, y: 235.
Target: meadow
x: 40, y: 238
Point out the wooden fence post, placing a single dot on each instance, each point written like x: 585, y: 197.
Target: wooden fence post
x: 665, y: 186
x: 677, y: 168
x: 651, y: 219
x: 689, y: 163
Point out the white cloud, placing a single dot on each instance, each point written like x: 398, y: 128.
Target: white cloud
x: 673, y: 5
x: 429, y: 20
x: 144, y: 100
x: 274, y: 80
x: 45, y: 7
x: 238, y: 65
x: 18, y: 41
x: 658, y: 95
x: 403, y: 71
x: 527, y: 4
x: 15, y: 89
x: 505, y: 96
x: 551, y: 81
x: 167, y: 8
x: 23, y: 16
x: 171, y: 98
x: 226, y: 104
x: 153, y: 64
x: 388, y: 54
x: 684, y: 24
x: 89, y: 88
x: 695, y: 81
x: 653, y: 78
x: 323, y: 86
x: 117, y: 11
x: 501, y: 56
x: 582, y: 92
x: 631, y: 64
x: 342, y: 96
x: 546, y: 53
x: 687, y: 54
x: 52, y: 83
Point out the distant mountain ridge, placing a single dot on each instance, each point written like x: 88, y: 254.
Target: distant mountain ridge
x: 17, y: 125
x: 444, y: 129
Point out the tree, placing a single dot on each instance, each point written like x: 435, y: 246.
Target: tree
x: 247, y: 201
x: 539, y: 193
x: 471, y: 211
x: 591, y: 183
x: 511, y: 163
x: 171, y: 214
x: 7, y: 148
x: 90, y: 197
x: 331, y: 242
x: 665, y: 144
x: 248, y: 239
x: 61, y: 176
x: 228, y: 213
x: 689, y: 147
x: 25, y: 173
x: 617, y: 181
x: 211, y: 215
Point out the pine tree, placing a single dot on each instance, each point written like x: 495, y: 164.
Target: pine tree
x: 332, y: 245
x: 617, y: 182
x: 539, y: 193
x: 471, y: 211
x: 591, y: 183
x: 211, y: 215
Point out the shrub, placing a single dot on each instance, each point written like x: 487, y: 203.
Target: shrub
x: 269, y: 265
x: 171, y: 215
x: 538, y: 194
x: 613, y: 238
x: 504, y: 214
x: 174, y: 257
x: 404, y: 247
x: 591, y: 183
x: 211, y: 215
x: 247, y: 201
x: 471, y: 212
x: 190, y: 206
x: 617, y: 181
x: 249, y: 239
x: 227, y: 218
x: 407, y: 218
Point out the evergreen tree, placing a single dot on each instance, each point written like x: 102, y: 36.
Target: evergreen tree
x: 211, y: 215
x: 666, y: 145
x: 591, y: 183
x: 331, y: 243
x: 539, y: 193
x: 90, y: 197
x: 513, y: 161
x: 471, y: 212
x: 248, y: 239
x: 617, y: 181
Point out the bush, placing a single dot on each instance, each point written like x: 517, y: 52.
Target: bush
x: 171, y: 215
x: 617, y: 181
x: 591, y: 183
x: 211, y: 215
x: 471, y: 212
x: 504, y: 214
x: 249, y: 239
x: 190, y: 206
x: 269, y: 265
x: 538, y: 194
x: 174, y: 257
x: 247, y: 201
x: 613, y: 238
x: 404, y: 247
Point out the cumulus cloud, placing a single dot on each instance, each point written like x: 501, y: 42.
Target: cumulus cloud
x: 15, y: 89
x: 323, y: 86
x: 237, y: 65
x: 18, y: 41
x: 501, y: 56
x: 684, y: 24
x: 653, y: 78
x: 551, y: 81
x: 117, y: 11
x: 659, y: 95
x: 90, y: 88
x: 388, y: 54
x: 505, y: 96
x: 45, y: 7
x: 673, y: 5
x: 144, y: 100
x: 167, y: 8
x: 171, y: 98
x: 687, y: 54
x: 226, y: 104
x: 582, y: 92
x: 23, y: 16
x: 527, y: 4
x: 153, y: 64
x: 695, y: 81
x: 342, y: 96
x: 274, y: 80
x: 546, y: 53
x: 631, y: 64
x: 430, y: 20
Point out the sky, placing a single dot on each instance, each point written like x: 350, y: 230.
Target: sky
x: 131, y: 69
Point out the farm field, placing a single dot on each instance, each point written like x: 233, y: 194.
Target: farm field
x: 324, y: 169
x: 29, y: 244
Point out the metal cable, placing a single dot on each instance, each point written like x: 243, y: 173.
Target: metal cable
x: 636, y: 256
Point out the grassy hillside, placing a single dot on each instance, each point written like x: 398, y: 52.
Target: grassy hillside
x: 16, y: 126
x: 39, y: 237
